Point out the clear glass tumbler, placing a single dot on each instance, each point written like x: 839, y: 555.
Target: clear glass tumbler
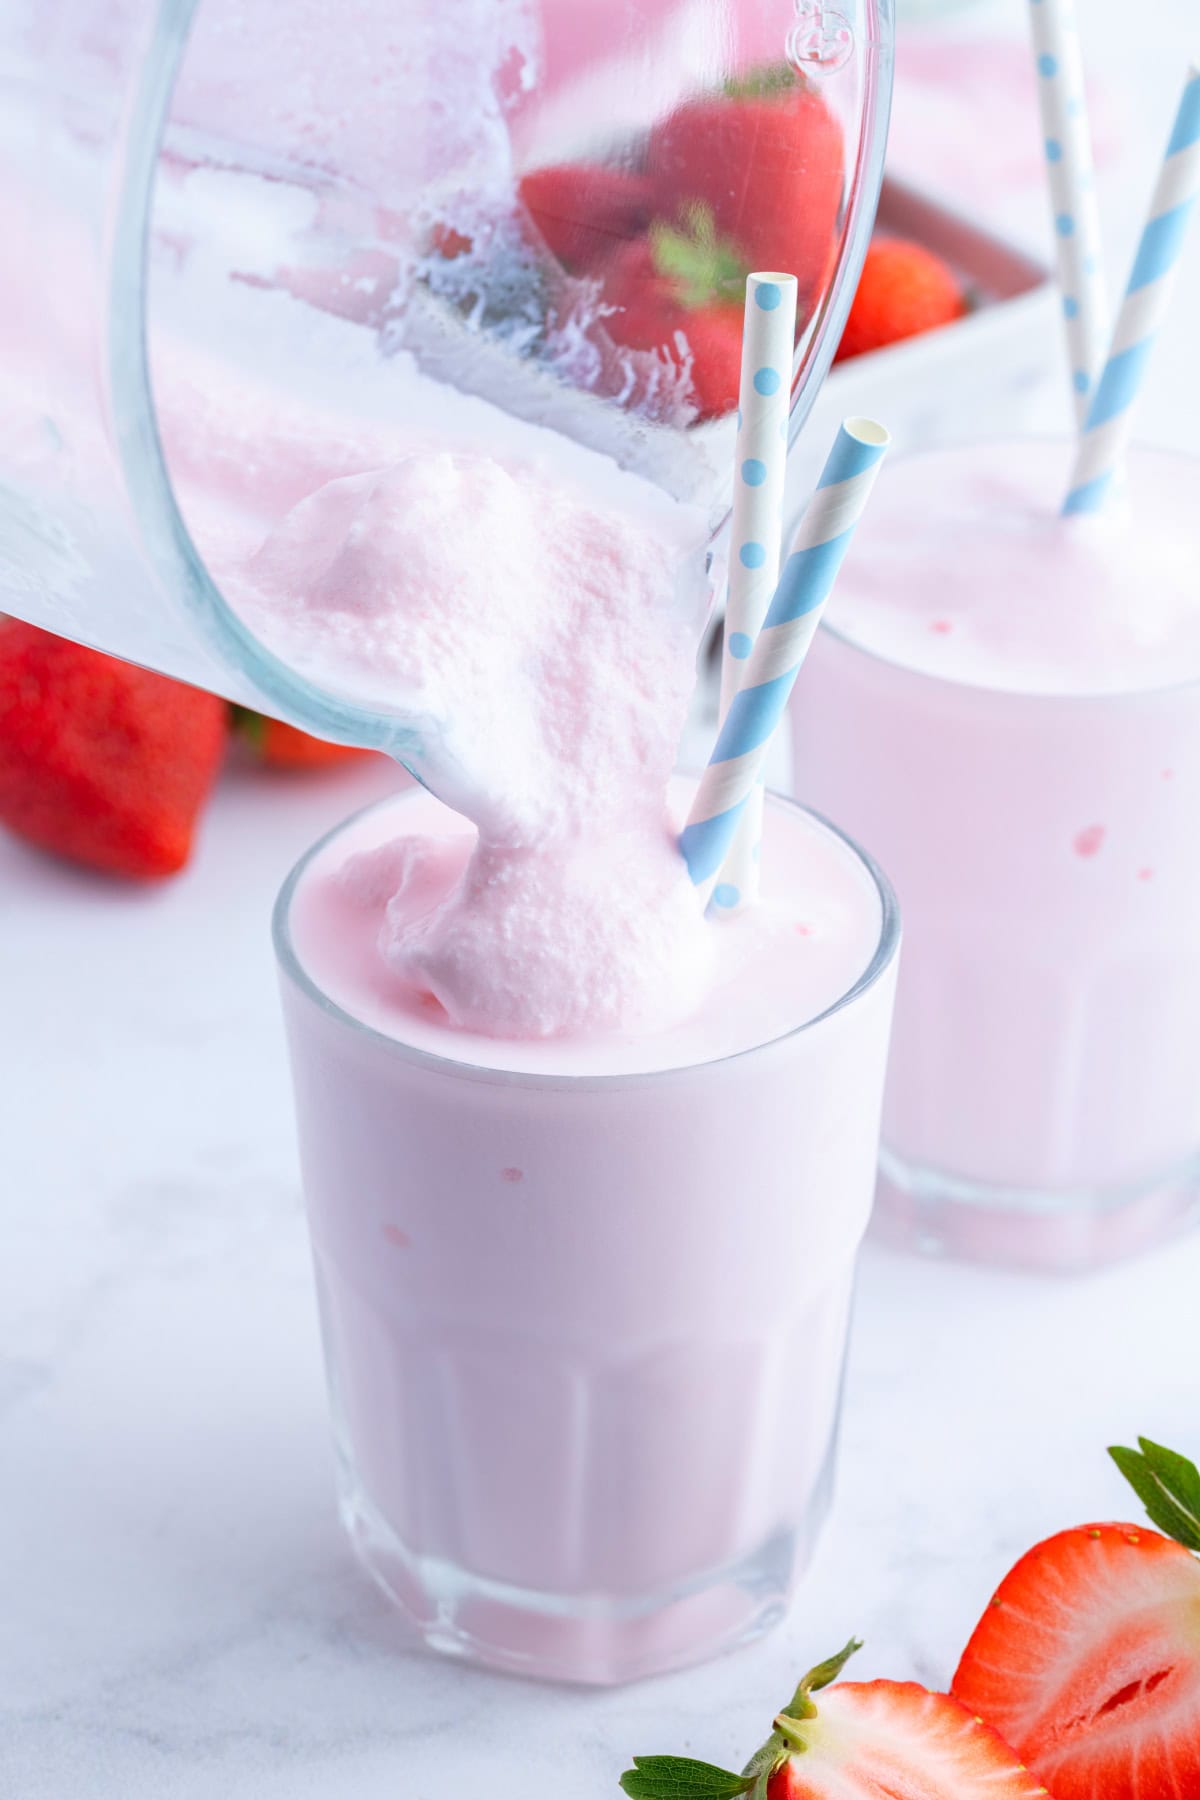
x: 1043, y: 1102
x: 585, y: 1334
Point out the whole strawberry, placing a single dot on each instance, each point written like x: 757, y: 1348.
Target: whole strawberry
x: 585, y: 212
x: 283, y: 746
x: 1088, y: 1656
x: 102, y: 762
x: 904, y: 289
x: 764, y: 156
x: 864, y: 1740
x: 681, y: 293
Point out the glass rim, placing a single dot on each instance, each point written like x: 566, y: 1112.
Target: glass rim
x: 288, y: 959
x: 1004, y: 695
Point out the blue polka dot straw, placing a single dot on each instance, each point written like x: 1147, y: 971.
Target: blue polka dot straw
x: 1110, y: 413
x: 1073, y: 204
x: 817, y: 549
x: 765, y: 393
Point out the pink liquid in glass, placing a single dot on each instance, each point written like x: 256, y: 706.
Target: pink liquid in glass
x: 1007, y: 710
x: 585, y: 1300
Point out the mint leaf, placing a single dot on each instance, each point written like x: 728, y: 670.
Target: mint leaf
x: 680, y: 1778
x: 1168, y: 1485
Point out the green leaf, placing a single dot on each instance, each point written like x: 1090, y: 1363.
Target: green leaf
x: 250, y: 725
x: 680, y: 1778
x: 1168, y: 1485
x: 760, y: 83
x: 703, y: 267
x: 763, y: 1764
x: 800, y: 1706
x: 1176, y: 1473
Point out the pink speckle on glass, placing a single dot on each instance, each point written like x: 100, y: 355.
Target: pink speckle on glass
x: 1145, y: 874
x: 1168, y: 774
x: 941, y: 626
x: 1089, y: 840
x: 394, y: 1235
x: 512, y: 1174
x: 803, y: 930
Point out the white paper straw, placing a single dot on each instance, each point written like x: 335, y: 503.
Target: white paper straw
x: 818, y: 547
x: 1102, y: 446
x: 1073, y: 204
x: 760, y: 464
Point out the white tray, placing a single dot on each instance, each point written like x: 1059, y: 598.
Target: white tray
x: 978, y: 377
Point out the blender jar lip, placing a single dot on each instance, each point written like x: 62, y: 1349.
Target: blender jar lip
x: 1001, y: 696
x: 882, y: 958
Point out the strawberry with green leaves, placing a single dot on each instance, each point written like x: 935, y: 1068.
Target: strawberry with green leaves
x: 863, y: 1740
x: 763, y: 156
x: 1088, y: 1656
x: 681, y: 292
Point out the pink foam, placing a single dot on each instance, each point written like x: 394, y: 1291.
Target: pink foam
x: 543, y: 641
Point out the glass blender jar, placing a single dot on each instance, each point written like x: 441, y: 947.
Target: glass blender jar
x: 241, y: 237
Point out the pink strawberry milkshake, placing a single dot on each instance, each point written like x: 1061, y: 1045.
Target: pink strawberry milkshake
x: 586, y: 1170
x: 1006, y: 709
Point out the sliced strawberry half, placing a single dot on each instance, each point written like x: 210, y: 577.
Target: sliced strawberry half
x: 873, y: 1740
x: 1088, y: 1657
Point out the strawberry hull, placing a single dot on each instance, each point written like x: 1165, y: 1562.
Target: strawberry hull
x: 854, y: 1740
x: 703, y: 343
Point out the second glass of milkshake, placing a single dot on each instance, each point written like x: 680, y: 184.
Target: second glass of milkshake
x: 1007, y: 709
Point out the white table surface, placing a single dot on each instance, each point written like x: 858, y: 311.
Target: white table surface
x: 179, y: 1618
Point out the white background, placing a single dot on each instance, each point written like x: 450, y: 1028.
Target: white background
x: 179, y: 1619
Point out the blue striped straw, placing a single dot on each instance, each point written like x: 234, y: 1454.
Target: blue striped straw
x: 1074, y: 206
x: 1142, y: 311
x: 756, y: 527
x: 818, y: 547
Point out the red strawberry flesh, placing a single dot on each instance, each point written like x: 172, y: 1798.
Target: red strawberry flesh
x: 1088, y: 1661
x: 102, y: 762
x: 586, y: 211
